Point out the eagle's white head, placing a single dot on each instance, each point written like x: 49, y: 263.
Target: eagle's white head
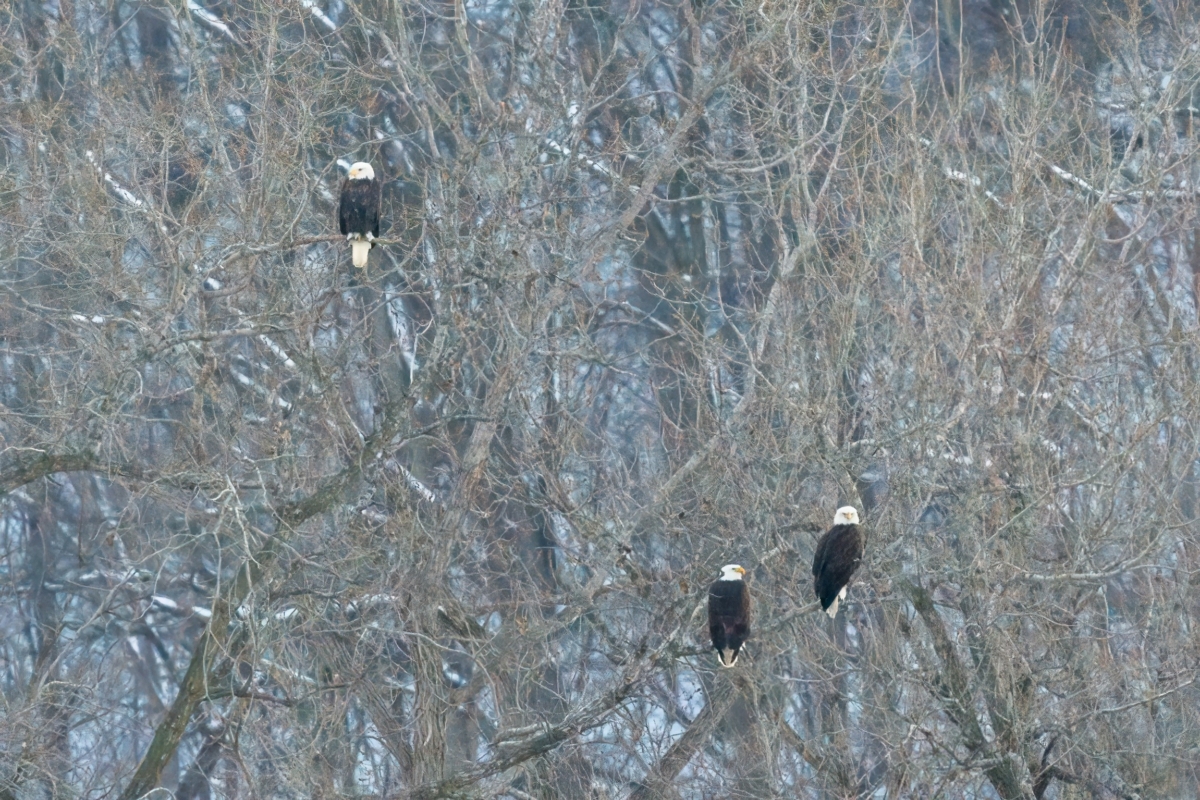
x: 846, y: 515
x: 361, y: 171
x: 732, y: 572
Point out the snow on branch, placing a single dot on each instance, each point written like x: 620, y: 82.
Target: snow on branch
x: 414, y: 483
x: 167, y: 604
x: 211, y: 21
x: 319, y: 15
x: 1116, y: 196
x: 245, y: 380
x: 1069, y: 178
x: 593, y: 165
x: 95, y: 320
x: 959, y: 176
x: 971, y: 180
x: 271, y: 344
x: 121, y: 192
x: 278, y: 351
x: 117, y: 189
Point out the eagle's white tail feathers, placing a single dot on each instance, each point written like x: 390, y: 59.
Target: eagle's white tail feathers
x: 833, y: 607
x: 359, y: 249
x: 727, y: 658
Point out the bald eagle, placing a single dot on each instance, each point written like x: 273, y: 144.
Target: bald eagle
x: 729, y: 613
x: 838, y: 555
x: 358, y: 211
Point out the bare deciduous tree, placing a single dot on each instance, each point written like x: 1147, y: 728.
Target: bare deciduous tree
x: 662, y: 285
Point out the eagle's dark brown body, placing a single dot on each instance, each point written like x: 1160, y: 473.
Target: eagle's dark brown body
x: 838, y: 555
x: 358, y: 211
x: 728, y: 618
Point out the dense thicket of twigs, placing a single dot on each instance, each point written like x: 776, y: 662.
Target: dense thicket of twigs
x: 662, y: 285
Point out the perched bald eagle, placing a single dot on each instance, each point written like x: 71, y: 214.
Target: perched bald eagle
x: 838, y: 555
x: 358, y: 211
x: 729, y: 613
